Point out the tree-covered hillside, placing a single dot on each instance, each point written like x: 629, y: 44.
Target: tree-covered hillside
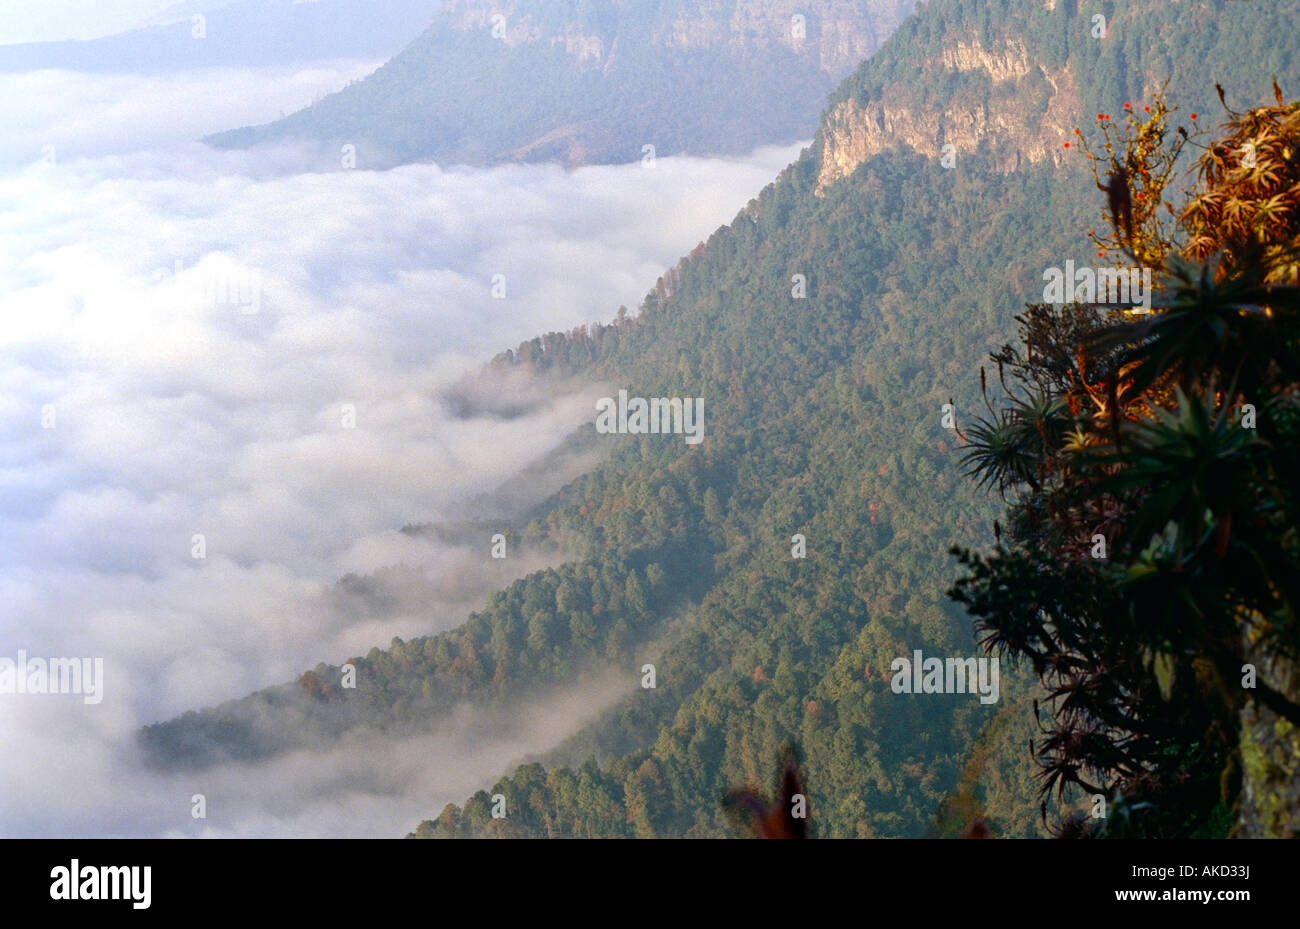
x: 826, y: 327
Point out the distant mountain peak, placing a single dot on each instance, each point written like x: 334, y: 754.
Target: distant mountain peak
x: 582, y: 82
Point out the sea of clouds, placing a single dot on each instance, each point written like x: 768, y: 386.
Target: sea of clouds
x: 254, y: 347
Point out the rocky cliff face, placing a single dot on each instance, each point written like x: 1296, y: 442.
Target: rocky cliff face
x: 1270, y: 761
x: 1017, y: 78
x: 1000, y: 111
x: 836, y: 34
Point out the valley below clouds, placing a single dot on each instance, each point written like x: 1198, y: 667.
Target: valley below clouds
x: 256, y: 348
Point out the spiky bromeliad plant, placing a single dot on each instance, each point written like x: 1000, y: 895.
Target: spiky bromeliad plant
x: 1150, y: 572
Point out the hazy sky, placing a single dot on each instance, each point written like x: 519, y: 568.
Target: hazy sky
x: 129, y: 257
x: 51, y: 20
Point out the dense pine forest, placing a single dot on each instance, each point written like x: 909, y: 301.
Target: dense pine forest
x: 829, y: 327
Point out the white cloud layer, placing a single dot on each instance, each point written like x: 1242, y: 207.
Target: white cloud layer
x: 64, y: 116
x: 197, y: 327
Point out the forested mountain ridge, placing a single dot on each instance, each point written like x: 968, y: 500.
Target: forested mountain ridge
x: 583, y: 83
x: 955, y: 78
x: 825, y: 326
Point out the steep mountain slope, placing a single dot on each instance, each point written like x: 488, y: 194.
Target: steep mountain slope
x: 913, y: 270
x: 243, y: 33
x: 582, y: 82
x: 825, y: 327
